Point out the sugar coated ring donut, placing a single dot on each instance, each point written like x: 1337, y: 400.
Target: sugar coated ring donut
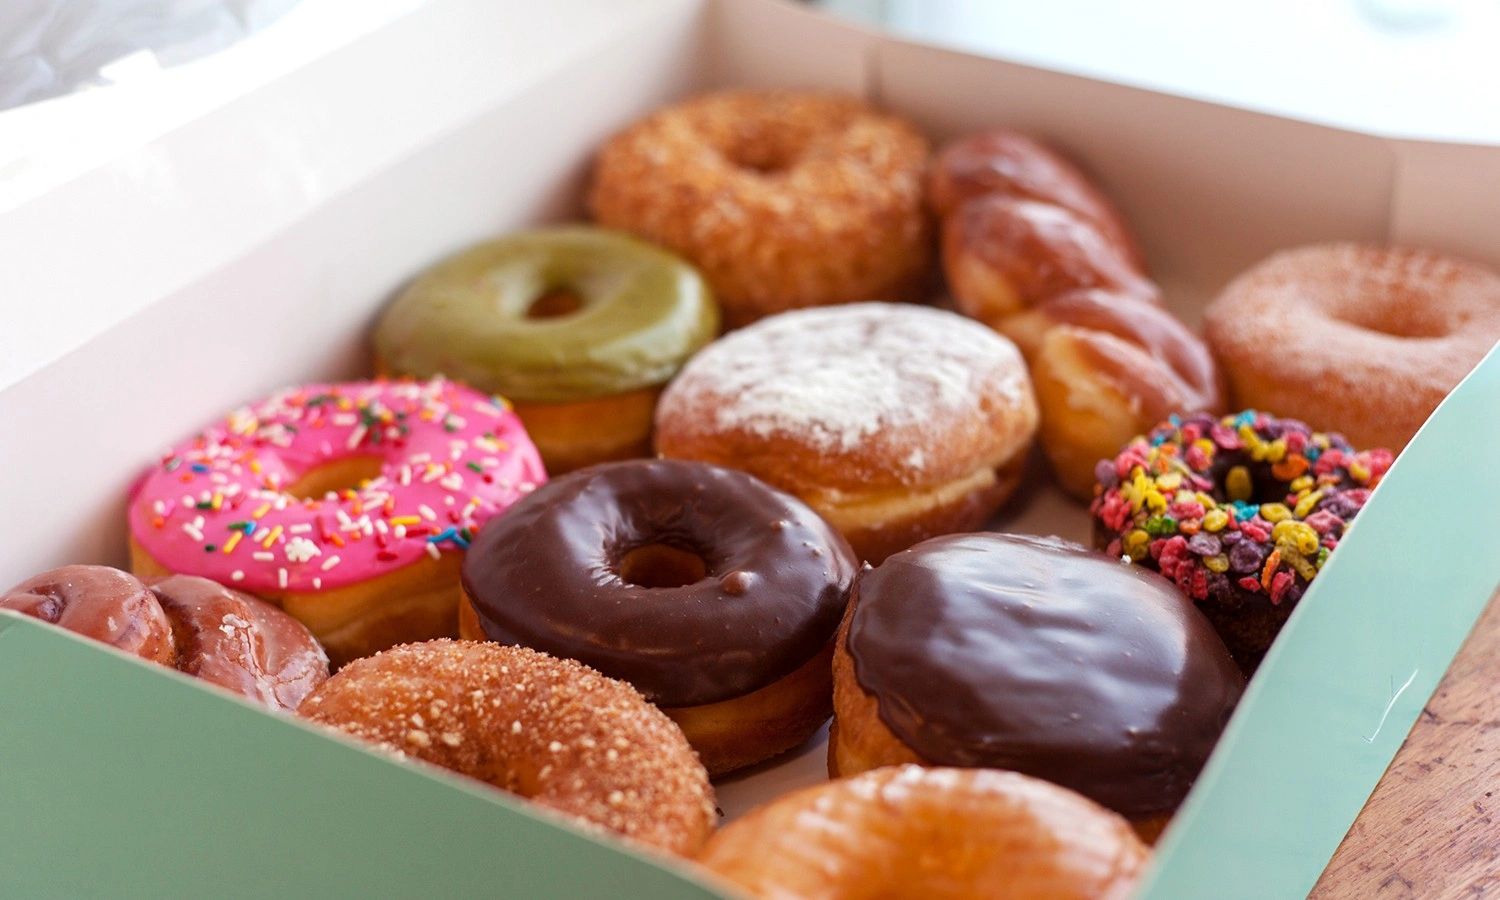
x: 204, y: 629
x: 782, y: 199
x: 895, y: 422
x: 1241, y: 512
x: 1363, y: 340
x: 640, y: 311
x: 553, y: 731
x: 951, y: 834
x: 701, y: 586
x: 345, y: 504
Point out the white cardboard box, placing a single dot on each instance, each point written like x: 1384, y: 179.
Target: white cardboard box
x: 256, y: 244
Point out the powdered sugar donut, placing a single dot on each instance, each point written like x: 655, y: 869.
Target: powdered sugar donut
x: 895, y: 422
x: 345, y: 504
x: 1356, y: 339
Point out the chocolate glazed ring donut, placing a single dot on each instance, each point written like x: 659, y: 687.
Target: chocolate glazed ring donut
x: 714, y: 594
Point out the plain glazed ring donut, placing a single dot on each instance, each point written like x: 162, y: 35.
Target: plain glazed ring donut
x: 782, y: 199
x: 578, y: 327
x: 1241, y: 512
x: 344, y: 504
x: 203, y: 629
x: 712, y: 593
x: 895, y: 422
x: 552, y: 731
x: 1037, y: 656
x: 939, y: 834
x: 1361, y: 340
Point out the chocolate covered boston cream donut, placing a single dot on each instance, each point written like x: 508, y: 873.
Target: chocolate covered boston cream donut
x: 1035, y: 655
x: 712, y: 593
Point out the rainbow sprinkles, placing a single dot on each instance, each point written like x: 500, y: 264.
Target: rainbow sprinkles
x: 218, y: 505
x: 1225, y: 507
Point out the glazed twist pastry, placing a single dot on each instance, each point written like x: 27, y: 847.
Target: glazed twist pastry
x: 197, y: 626
x: 1033, y: 250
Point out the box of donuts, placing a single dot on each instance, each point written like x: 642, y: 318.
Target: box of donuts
x: 698, y: 448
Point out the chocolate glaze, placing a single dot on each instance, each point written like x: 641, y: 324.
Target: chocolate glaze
x: 546, y: 574
x: 240, y: 642
x: 98, y: 602
x: 1039, y: 656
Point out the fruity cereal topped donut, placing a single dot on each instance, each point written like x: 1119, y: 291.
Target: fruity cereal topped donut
x: 345, y: 504
x: 1240, y: 511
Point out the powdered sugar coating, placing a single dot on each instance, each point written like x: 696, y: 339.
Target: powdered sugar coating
x: 835, y: 380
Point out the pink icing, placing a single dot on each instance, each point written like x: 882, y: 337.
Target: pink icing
x: 450, y: 457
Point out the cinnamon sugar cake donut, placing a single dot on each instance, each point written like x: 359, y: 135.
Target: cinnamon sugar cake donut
x: 1355, y: 339
x: 895, y: 422
x: 782, y: 199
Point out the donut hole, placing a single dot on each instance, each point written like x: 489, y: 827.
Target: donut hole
x: 340, y: 475
x: 662, y: 566
x: 1407, y: 320
x: 554, y: 303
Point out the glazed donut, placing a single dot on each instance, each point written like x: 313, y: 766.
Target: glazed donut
x: 713, y: 594
x: 344, y: 504
x: 1034, y: 655
x: 1105, y: 367
x: 1003, y: 255
x: 1012, y: 164
x: 217, y: 635
x: 101, y: 603
x: 550, y: 730
x: 1362, y: 340
x: 945, y: 834
x: 1033, y: 250
x: 239, y: 643
x: 1240, y: 512
x: 782, y: 199
x: 577, y: 326
x: 894, y: 422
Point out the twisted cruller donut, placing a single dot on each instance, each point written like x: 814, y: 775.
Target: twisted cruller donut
x: 1361, y: 340
x: 551, y: 730
x: 782, y: 199
x: 1241, y: 512
x: 1032, y: 249
x: 201, y: 628
x: 945, y: 834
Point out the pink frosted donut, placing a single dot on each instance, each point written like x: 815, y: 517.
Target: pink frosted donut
x: 345, y: 504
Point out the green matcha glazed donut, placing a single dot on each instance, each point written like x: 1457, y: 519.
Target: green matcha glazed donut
x: 578, y: 327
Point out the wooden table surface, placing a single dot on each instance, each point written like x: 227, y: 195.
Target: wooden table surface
x: 1432, y: 826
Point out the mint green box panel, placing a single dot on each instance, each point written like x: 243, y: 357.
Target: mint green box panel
x: 1353, y: 668
x: 119, y: 779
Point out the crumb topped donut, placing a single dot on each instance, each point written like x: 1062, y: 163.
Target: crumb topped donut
x: 550, y: 730
x: 1357, y: 339
x: 782, y: 199
x: 939, y: 834
x: 895, y: 422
